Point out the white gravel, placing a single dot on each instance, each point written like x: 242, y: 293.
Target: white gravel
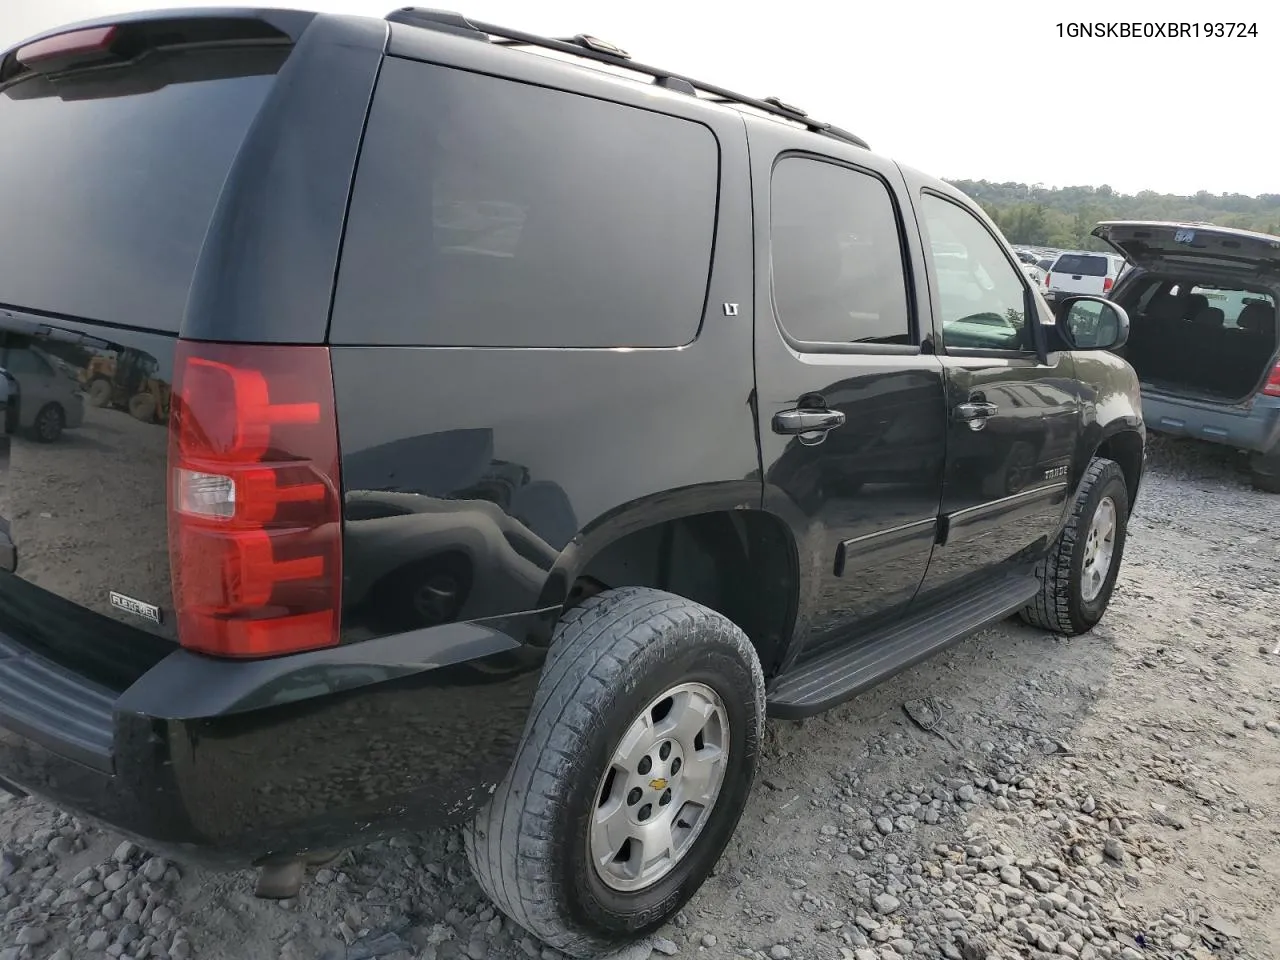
x: 1112, y: 796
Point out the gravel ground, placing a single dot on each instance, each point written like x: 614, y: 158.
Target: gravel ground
x: 1116, y: 795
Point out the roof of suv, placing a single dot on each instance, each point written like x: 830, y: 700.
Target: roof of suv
x: 587, y: 53
x: 587, y: 47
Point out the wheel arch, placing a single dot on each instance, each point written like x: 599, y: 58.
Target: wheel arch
x: 1125, y: 443
x: 710, y: 544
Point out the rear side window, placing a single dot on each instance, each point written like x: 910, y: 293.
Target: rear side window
x: 108, y: 182
x: 492, y: 213
x: 836, y: 255
x: 1084, y: 266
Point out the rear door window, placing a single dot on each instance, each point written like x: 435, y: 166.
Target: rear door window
x: 492, y: 213
x: 1081, y: 265
x: 108, y: 182
x: 837, y: 257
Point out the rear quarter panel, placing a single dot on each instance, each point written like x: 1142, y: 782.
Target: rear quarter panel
x: 499, y: 471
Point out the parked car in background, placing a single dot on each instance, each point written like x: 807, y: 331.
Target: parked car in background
x: 1077, y: 273
x: 1034, y: 274
x: 49, y: 397
x: 1204, y: 338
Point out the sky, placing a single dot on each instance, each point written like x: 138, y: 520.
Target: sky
x: 983, y: 89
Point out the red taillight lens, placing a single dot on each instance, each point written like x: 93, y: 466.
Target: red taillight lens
x: 255, y: 521
x: 1272, y: 389
x: 1048, y: 278
x: 72, y: 45
x: 1107, y: 284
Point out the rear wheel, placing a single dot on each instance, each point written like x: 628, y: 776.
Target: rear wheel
x: 633, y: 772
x: 1264, y: 472
x: 1079, y: 573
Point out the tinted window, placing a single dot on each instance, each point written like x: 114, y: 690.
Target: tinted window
x: 106, y: 197
x: 492, y: 213
x: 981, y: 296
x: 1084, y: 266
x: 837, y: 255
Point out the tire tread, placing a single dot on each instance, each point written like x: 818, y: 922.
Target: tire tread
x: 1050, y: 609
x: 509, y: 843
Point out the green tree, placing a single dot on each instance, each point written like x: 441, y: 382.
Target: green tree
x: 1065, y: 216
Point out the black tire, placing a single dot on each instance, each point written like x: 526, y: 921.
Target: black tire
x: 1264, y: 472
x: 48, y: 424
x: 611, y: 656
x: 142, y: 406
x: 1060, y: 606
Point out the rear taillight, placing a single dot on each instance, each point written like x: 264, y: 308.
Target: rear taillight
x: 1272, y: 389
x: 255, y: 524
x: 1048, y: 279
x: 1107, y: 284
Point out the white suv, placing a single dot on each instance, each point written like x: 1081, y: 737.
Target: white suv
x: 1075, y: 274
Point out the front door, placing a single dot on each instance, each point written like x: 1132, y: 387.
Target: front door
x: 1013, y: 416
x: 851, y: 409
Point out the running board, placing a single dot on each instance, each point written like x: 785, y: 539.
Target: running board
x: 833, y: 677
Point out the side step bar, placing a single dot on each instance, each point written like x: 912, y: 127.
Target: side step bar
x: 833, y: 677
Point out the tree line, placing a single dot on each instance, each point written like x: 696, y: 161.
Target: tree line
x: 1063, y: 217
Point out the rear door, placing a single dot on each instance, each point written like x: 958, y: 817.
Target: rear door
x: 1013, y: 413
x: 850, y: 400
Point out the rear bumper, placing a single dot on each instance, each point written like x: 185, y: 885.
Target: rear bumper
x: 228, y: 764
x: 1255, y: 427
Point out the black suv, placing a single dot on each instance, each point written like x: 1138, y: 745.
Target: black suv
x: 520, y: 425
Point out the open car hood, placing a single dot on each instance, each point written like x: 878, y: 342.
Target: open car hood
x: 1164, y: 246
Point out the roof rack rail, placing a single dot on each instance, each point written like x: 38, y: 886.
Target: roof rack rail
x: 593, y: 48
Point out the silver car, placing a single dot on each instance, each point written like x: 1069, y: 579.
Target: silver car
x: 49, y: 398
x: 1205, y: 338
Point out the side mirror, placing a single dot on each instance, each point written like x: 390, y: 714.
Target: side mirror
x: 1092, y: 323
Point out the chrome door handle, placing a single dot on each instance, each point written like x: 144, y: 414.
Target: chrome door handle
x: 976, y: 414
x: 807, y: 421
x: 972, y: 411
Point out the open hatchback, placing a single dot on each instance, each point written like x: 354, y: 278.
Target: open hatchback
x: 1204, y: 339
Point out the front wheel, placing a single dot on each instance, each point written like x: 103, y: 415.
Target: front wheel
x: 632, y: 775
x: 49, y: 423
x: 1079, y: 573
